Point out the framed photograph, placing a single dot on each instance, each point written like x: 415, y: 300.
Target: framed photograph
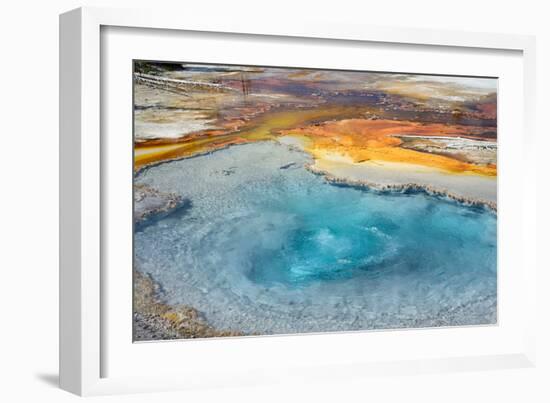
x: 241, y: 202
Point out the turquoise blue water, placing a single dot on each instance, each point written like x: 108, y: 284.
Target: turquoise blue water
x: 346, y: 233
x: 265, y: 246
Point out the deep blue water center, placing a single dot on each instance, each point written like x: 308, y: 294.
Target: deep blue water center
x: 265, y: 246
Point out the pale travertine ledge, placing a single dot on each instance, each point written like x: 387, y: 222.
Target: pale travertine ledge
x: 467, y: 189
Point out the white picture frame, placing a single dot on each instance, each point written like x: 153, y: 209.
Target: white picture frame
x: 83, y: 174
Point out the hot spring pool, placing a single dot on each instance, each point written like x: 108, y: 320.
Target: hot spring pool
x: 264, y: 246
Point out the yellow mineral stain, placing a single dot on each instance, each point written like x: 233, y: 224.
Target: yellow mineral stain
x: 323, y: 132
x: 265, y: 127
x: 361, y: 140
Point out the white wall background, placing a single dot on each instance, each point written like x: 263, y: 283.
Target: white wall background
x: 29, y: 210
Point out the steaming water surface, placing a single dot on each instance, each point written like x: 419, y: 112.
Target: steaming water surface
x: 264, y: 246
